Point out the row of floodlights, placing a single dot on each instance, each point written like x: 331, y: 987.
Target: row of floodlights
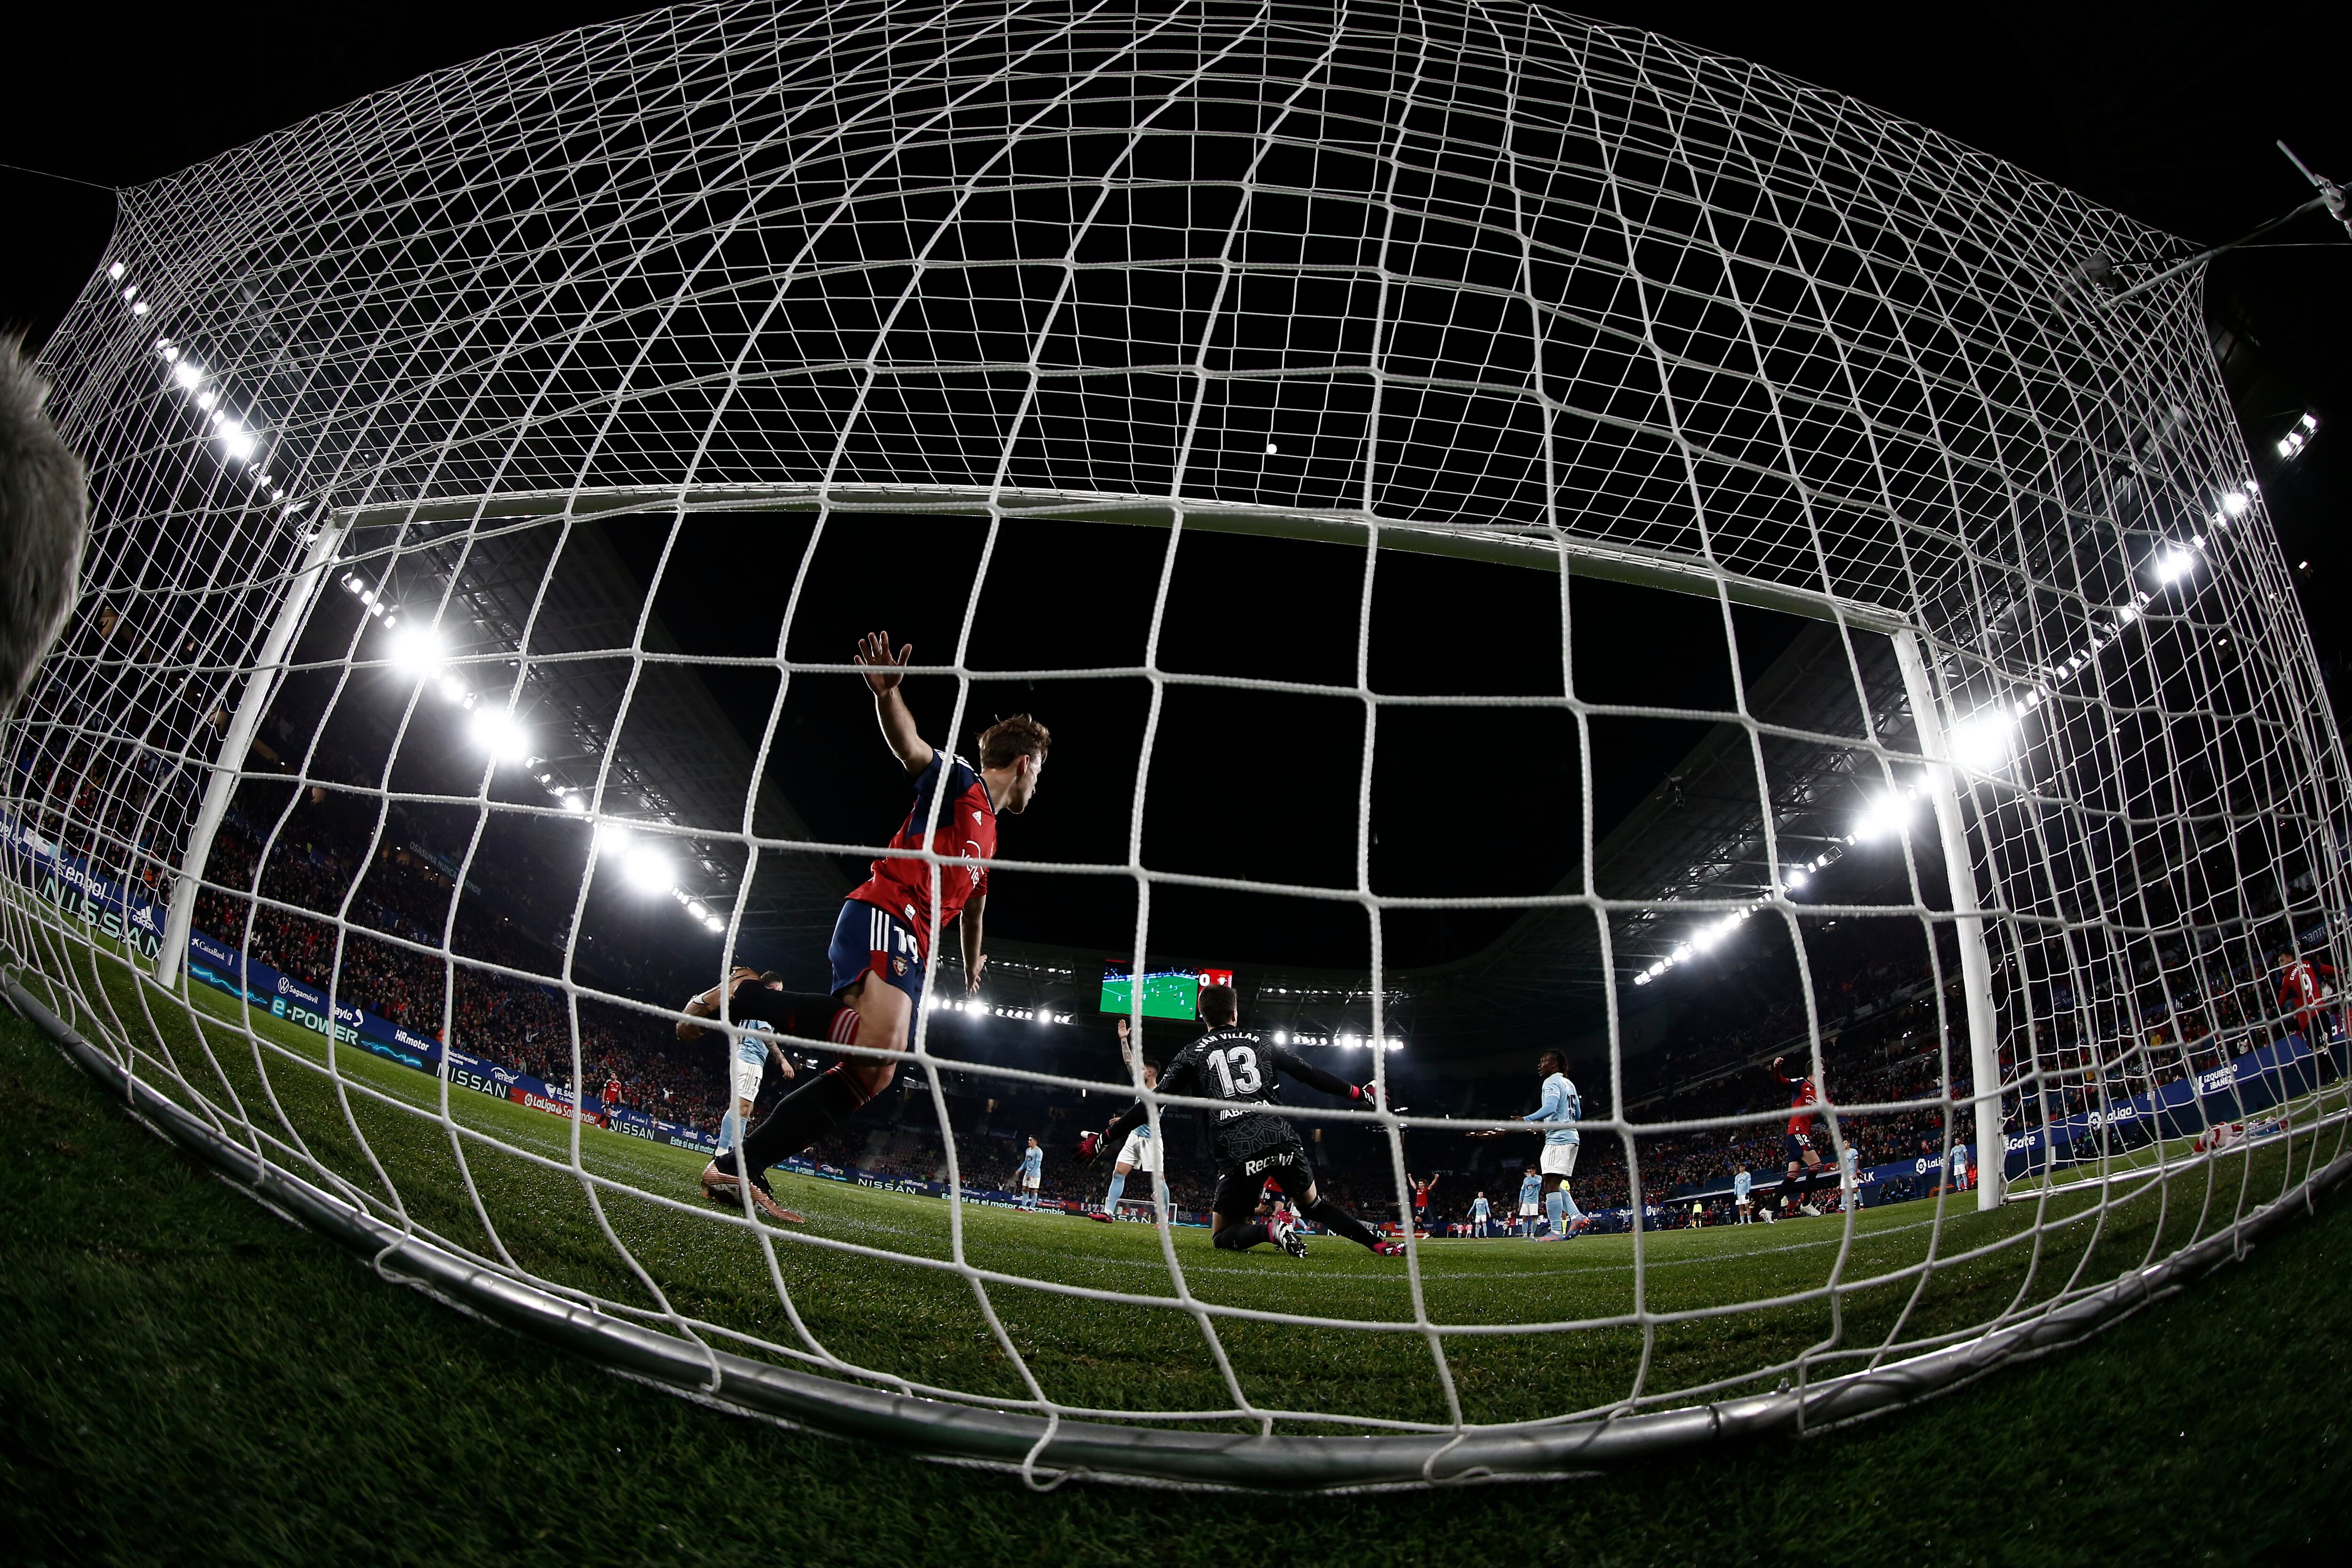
x: 1982, y: 741
x: 240, y: 442
x: 977, y: 1008
x: 2292, y: 443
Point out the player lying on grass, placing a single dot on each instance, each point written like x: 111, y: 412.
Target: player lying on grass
x: 882, y: 940
x: 1557, y: 1115
x: 1251, y: 1143
x: 1798, y: 1141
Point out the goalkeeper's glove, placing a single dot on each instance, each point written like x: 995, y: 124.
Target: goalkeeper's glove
x: 1089, y: 1145
x: 1369, y: 1093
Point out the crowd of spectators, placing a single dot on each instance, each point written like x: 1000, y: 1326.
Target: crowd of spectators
x: 319, y: 859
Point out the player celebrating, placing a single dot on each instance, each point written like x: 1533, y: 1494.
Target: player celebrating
x: 1480, y: 1214
x: 1557, y: 1115
x: 1033, y: 1173
x: 1421, y: 1185
x: 1252, y: 1144
x: 1530, y: 1202
x: 882, y: 940
x: 2300, y: 991
x: 1139, y: 1152
x: 1799, y: 1142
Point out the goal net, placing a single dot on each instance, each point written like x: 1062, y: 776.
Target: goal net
x: 1528, y: 538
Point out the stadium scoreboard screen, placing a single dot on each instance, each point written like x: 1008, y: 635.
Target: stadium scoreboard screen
x: 1166, y: 992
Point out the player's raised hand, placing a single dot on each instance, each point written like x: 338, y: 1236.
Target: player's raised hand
x: 883, y: 673
x: 972, y: 972
x: 1089, y: 1145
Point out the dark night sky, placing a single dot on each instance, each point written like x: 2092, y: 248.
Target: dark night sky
x: 2165, y: 111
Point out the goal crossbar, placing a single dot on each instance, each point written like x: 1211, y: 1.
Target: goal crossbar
x: 1503, y: 545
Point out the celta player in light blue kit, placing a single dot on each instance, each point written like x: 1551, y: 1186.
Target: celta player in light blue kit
x: 1742, y: 1184
x: 1531, y: 1199
x: 1033, y: 1173
x: 1557, y: 1117
x: 1480, y: 1212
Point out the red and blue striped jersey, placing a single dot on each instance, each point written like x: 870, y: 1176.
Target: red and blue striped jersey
x: 901, y: 884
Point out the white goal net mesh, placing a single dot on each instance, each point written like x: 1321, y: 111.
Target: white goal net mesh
x: 1526, y: 535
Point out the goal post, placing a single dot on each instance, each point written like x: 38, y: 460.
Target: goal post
x: 300, y: 591
x: 1927, y: 717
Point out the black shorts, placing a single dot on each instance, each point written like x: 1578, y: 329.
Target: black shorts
x: 1240, y: 1182
x: 1799, y: 1145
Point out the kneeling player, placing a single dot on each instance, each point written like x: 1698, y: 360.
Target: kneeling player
x: 1252, y: 1144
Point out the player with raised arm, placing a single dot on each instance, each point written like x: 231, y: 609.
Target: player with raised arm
x: 1420, y: 1187
x: 882, y: 940
x: 1798, y: 1141
x: 1139, y: 1152
x: 1558, y: 1116
x: 1250, y: 1142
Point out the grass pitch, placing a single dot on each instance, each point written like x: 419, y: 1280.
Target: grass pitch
x: 188, y: 1379
x: 903, y: 1288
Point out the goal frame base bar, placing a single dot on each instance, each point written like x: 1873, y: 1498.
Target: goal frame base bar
x: 1051, y: 1449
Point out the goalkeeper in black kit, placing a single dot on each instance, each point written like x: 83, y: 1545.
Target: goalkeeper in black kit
x: 1252, y: 1144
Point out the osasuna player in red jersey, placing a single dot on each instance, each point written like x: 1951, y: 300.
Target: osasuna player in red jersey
x: 1799, y: 1143
x: 2301, y: 990
x: 1252, y: 1144
x: 882, y: 940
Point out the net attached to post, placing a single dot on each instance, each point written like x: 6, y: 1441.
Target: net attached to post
x: 490, y: 477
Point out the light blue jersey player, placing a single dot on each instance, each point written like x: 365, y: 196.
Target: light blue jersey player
x: 1033, y: 1173
x: 1742, y: 1184
x: 1850, y: 1196
x: 1530, y: 1202
x: 1558, y: 1116
x: 1480, y: 1214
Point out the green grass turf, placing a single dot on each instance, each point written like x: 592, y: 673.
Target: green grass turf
x: 187, y: 1378
x: 900, y: 1318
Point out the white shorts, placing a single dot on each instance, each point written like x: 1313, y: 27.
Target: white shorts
x: 748, y: 1068
x: 1743, y: 1201
x: 1559, y: 1160
x: 1140, y: 1151
x: 1529, y: 1211
x: 1029, y: 1184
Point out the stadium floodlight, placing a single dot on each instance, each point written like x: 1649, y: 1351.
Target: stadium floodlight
x: 2174, y: 563
x: 188, y: 373
x: 573, y: 801
x: 647, y: 870
x: 452, y: 690
x: 712, y: 922
x: 2235, y: 503
x: 1886, y: 816
x: 2292, y: 443
x: 415, y: 651
x: 1981, y: 740
x: 499, y: 734
x: 699, y: 909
